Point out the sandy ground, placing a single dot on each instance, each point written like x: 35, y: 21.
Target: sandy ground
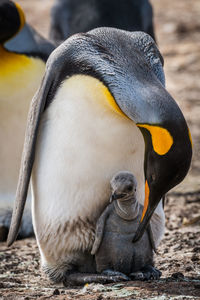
x: 177, y: 26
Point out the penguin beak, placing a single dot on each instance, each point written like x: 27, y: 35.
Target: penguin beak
x: 116, y: 196
x: 112, y: 198
x: 149, y: 207
x: 152, y: 204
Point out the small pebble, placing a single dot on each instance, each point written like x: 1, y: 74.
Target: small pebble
x: 178, y: 248
x: 1, y: 285
x: 56, y: 292
x: 197, y: 286
x: 194, y: 258
x: 189, y: 268
x: 177, y: 275
x: 196, y: 249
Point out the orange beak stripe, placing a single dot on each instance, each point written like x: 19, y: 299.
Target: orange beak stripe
x: 190, y: 137
x: 146, y: 201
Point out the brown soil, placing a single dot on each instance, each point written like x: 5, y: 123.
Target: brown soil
x: 177, y: 26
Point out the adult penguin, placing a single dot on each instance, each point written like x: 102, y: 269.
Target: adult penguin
x: 23, y: 54
x: 102, y: 107
x: 72, y: 16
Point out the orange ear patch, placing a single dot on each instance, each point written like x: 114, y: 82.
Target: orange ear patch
x: 161, y: 138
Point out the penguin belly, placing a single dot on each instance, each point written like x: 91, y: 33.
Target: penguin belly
x: 20, y: 77
x: 82, y: 143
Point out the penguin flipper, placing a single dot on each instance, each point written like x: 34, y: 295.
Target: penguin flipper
x: 34, y: 116
x: 100, y: 229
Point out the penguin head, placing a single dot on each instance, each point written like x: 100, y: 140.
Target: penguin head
x: 168, y: 151
x: 123, y: 185
x: 11, y: 20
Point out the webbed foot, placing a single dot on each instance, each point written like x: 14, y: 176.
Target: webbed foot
x: 146, y: 273
x: 76, y: 279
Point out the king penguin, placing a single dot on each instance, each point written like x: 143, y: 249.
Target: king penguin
x: 72, y: 16
x: 102, y: 107
x: 23, y: 54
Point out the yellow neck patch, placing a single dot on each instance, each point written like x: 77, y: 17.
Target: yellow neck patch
x: 161, y: 138
x: 16, y: 73
x: 11, y: 63
x: 111, y: 100
x: 97, y: 88
x: 21, y: 16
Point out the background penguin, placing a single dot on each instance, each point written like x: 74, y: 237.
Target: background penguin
x: 113, y: 247
x: 21, y: 71
x: 73, y: 16
x: 102, y: 107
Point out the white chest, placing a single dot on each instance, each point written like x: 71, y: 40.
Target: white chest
x: 82, y: 144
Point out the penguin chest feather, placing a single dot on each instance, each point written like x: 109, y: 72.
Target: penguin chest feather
x: 83, y: 141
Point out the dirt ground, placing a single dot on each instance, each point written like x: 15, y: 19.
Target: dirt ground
x: 177, y: 25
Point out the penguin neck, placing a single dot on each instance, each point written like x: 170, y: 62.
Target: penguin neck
x: 12, y: 63
x: 127, y: 210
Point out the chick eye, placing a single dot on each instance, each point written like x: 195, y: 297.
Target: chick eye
x: 129, y: 188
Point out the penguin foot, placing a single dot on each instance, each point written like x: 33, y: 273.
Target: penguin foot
x: 147, y: 273
x: 77, y: 279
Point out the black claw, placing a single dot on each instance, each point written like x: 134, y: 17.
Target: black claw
x: 146, y: 273
x: 137, y: 276
x: 151, y: 273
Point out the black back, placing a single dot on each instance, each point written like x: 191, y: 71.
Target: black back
x: 73, y: 16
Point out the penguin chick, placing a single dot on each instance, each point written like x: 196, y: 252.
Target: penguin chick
x: 113, y: 248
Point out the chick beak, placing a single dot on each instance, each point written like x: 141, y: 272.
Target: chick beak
x: 116, y: 196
